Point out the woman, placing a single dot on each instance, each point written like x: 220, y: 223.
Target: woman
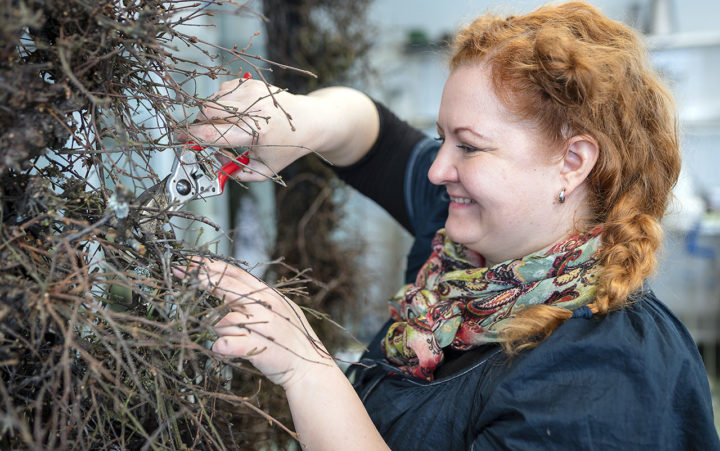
x: 528, y: 324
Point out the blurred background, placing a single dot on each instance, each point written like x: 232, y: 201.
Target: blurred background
x: 404, y: 66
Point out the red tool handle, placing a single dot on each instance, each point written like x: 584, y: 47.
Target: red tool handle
x: 228, y: 168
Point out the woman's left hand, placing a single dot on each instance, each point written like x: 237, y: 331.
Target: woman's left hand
x: 264, y: 327
x: 272, y: 332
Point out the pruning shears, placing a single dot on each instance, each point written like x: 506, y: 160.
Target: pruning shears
x: 190, y: 178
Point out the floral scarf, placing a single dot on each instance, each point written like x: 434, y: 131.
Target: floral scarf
x: 456, y: 301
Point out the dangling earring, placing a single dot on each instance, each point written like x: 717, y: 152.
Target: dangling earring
x: 561, y: 196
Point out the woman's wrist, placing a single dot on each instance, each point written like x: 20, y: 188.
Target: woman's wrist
x: 312, y: 373
x: 327, y: 412
x: 315, y: 365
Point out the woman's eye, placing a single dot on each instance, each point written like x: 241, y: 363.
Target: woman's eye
x: 469, y: 149
x: 465, y: 147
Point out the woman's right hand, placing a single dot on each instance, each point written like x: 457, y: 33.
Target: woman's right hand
x: 340, y: 124
x: 243, y: 113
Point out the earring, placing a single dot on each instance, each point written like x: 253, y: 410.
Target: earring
x: 561, y: 196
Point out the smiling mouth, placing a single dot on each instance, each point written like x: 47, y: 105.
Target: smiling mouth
x: 461, y: 200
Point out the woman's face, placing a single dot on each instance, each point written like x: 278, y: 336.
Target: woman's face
x: 502, y: 177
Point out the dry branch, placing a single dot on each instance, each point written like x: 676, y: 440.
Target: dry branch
x: 100, y: 347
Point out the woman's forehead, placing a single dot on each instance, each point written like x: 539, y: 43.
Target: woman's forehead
x: 469, y: 101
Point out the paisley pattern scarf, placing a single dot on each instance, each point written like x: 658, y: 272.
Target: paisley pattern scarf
x: 457, y: 302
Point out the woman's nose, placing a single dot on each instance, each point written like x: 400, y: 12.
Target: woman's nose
x: 443, y: 169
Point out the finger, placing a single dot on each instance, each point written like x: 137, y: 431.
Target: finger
x: 238, y: 289
x: 246, y: 82
x: 233, y: 323
x: 251, y: 169
x: 234, y: 346
x: 231, y: 330
x: 218, y: 269
x: 195, y: 266
x: 224, y: 156
x: 231, y: 84
x: 218, y: 109
x: 221, y: 134
x: 240, y: 92
x: 254, y: 172
x: 224, y: 278
x: 215, y: 270
x: 230, y: 290
x: 182, y: 271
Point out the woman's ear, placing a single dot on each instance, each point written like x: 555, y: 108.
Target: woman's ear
x: 580, y: 157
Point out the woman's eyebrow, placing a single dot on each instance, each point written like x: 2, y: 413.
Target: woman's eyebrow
x: 459, y: 130
x: 464, y: 129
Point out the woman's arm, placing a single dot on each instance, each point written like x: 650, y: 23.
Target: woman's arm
x: 341, y: 124
x: 271, y: 332
x: 328, y: 414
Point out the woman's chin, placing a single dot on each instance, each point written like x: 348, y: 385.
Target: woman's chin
x: 457, y: 233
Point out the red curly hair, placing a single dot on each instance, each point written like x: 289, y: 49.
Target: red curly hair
x: 571, y: 70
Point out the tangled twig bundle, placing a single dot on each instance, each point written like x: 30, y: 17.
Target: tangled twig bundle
x: 100, y: 348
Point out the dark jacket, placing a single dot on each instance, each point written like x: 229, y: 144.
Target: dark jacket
x: 630, y: 380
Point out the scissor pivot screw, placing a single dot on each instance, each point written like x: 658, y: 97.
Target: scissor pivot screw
x: 183, y: 187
